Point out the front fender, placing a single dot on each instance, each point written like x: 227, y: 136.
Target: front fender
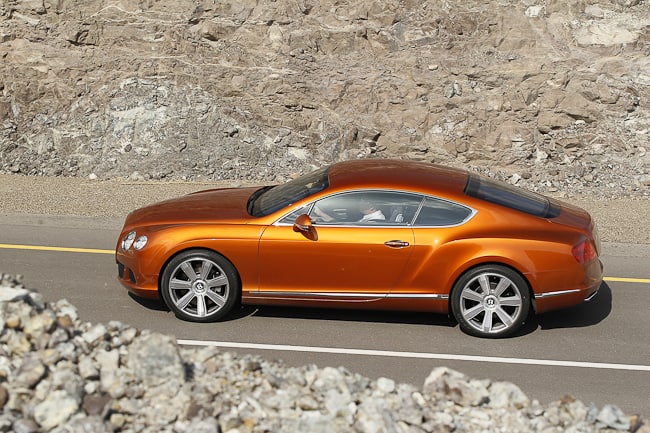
x: 238, y: 244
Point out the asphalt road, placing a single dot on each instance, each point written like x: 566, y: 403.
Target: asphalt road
x: 598, y: 352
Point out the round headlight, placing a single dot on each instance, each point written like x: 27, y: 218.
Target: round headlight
x: 128, y: 241
x: 140, y: 243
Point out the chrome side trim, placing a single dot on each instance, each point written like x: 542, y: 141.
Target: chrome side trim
x: 590, y: 297
x: 352, y: 295
x: 321, y: 295
x: 558, y: 293
x: 417, y: 296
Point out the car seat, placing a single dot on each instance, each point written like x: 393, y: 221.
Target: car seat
x: 396, y: 214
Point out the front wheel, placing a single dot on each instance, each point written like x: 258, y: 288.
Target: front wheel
x: 490, y: 301
x: 200, y: 286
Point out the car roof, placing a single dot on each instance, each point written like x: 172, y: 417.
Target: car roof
x: 397, y: 174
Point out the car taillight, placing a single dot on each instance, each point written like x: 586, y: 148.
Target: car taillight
x: 584, y: 252
x: 596, y: 236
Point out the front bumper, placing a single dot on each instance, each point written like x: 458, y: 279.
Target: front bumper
x: 139, y: 283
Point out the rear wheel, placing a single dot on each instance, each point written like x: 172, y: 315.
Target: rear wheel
x: 200, y: 286
x: 490, y: 301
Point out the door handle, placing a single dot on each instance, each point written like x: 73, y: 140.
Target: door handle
x: 396, y: 244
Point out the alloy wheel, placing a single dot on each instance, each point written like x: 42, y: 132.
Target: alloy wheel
x: 491, y: 302
x: 200, y: 286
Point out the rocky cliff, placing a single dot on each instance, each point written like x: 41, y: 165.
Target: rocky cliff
x: 548, y: 94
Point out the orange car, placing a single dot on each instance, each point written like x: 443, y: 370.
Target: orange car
x: 373, y: 233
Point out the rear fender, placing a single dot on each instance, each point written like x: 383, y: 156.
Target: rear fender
x: 545, y: 266
x: 517, y: 255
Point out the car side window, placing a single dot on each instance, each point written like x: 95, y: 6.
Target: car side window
x: 291, y: 218
x: 436, y: 213
x: 366, y: 208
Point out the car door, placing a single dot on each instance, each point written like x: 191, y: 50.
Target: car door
x: 348, y: 258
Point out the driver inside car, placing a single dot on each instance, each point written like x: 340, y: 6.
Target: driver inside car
x: 370, y: 212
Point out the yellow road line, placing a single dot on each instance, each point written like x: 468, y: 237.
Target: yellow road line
x: 61, y: 249
x: 628, y: 280
x: 98, y: 251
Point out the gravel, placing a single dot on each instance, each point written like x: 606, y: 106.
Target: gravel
x: 619, y: 220
x: 61, y: 375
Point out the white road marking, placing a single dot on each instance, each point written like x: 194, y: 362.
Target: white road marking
x: 417, y: 355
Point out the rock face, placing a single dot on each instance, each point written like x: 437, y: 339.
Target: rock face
x: 63, y: 376
x: 552, y: 95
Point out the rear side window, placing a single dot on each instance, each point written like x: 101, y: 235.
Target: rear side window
x: 511, y: 197
x: 439, y: 213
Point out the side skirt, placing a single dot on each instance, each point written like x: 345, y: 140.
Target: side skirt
x: 436, y: 303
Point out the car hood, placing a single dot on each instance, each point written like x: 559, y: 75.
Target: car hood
x: 227, y: 205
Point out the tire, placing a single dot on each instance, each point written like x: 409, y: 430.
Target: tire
x: 200, y: 286
x: 490, y: 301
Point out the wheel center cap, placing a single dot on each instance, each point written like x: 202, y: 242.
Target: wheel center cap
x: 490, y: 302
x: 199, y: 286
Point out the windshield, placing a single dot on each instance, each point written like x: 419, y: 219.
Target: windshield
x: 270, y: 199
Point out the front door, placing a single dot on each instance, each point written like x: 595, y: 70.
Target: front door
x: 338, y: 263
x: 357, y: 248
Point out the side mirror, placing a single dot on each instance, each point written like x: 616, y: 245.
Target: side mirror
x: 304, y: 225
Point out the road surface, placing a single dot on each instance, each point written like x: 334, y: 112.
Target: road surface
x: 598, y: 352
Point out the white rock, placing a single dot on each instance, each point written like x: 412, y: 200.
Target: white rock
x: 55, y: 410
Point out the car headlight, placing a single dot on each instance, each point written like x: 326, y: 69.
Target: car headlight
x: 128, y: 241
x: 140, y: 242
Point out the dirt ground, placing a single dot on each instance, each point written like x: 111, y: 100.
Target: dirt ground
x: 622, y: 220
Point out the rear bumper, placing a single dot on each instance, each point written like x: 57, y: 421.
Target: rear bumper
x: 584, y: 290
